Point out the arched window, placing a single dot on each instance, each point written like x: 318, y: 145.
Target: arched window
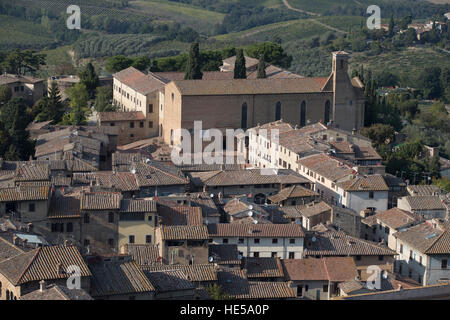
x: 303, y: 114
x: 278, y: 111
x: 244, y: 116
x: 327, y: 112
x: 160, y: 130
x: 171, y: 137
x: 7, y: 294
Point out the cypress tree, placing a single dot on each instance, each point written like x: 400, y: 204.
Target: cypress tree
x: 391, y: 27
x: 193, y: 68
x: 240, y: 72
x: 90, y: 79
x: 262, y: 67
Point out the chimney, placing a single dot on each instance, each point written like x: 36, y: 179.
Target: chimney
x: 59, y: 268
x: 15, y: 240
x: 353, y: 132
x: 24, y: 242
x: 41, y: 285
x: 66, y: 243
x: 29, y: 227
x: 400, y: 287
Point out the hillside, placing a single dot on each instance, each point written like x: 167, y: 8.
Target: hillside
x: 161, y: 28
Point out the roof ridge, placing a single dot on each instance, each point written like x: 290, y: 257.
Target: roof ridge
x: 168, y: 173
x: 326, y: 268
x: 13, y: 246
x: 29, y: 264
x: 435, y: 241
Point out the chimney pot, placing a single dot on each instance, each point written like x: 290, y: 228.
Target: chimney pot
x: 41, y: 285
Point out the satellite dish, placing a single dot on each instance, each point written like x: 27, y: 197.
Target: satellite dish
x: 385, y: 276
x: 147, y: 160
x: 265, y: 204
x: 210, y: 259
x: 240, y: 256
x: 314, y: 239
x: 255, y: 222
x: 250, y: 213
x: 211, y: 195
x: 133, y: 171
x: 250, y: 207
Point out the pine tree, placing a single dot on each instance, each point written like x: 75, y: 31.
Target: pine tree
x: 193, y: 67
x: 240, y: 72
x: 262, y: 67
x: 52, y: 108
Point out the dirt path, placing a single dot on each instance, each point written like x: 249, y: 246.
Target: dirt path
x: 286, y: 3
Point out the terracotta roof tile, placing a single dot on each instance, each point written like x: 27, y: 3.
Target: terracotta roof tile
x: 118, y: 278
x: 100, y: 201
x: 184, y: 233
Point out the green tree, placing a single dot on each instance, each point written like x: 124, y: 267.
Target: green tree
x: 15, y: 120
x: 142, y: 63
x: 430, y: 82
x: 50, y: 108
x: 21, y: 62
x: 240, y: 71
x: 216, y: 292
x: 262, y: 67
x: 12, y: 154
x: 193, y: 67
x: 103, y: 99
x: 391, y: 27
x: 79, y: 110
x: 118, y: 63
x: 379, y: 133
x: 273, y: 53
x: 89, y: 78
x: 5, y: 94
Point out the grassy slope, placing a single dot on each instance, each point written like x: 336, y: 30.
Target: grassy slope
x: 407, y: 64
x: 15, y: 32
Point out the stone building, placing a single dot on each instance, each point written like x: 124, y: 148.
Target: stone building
x: 169, y: 103
x: 28, y: 88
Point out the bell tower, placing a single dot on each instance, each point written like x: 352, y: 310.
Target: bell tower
x: 347, y: 109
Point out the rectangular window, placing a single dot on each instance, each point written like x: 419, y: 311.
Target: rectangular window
x: 241, y: 240
x: 371, y: 195
x: 111, y: 243
x: 325, y: 288
x: 444, y: 264
x: 291, y: 255
x: 256, y: 240
x: 291, y: 241
x: 111, y: 217
x: 274, y: 255
x: 131, y: 124
x: 224, y: 241
x: 150, y: 108
x: 131, y: 239
x: 274, y: 240
x: 256, y: 254
x: 31, y: 207
x: 380, y: 258
x: 150, y: 124
x: 401, y: 248
x: 141, y: 124
x: 69, y: 227
x: 148, y: 239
